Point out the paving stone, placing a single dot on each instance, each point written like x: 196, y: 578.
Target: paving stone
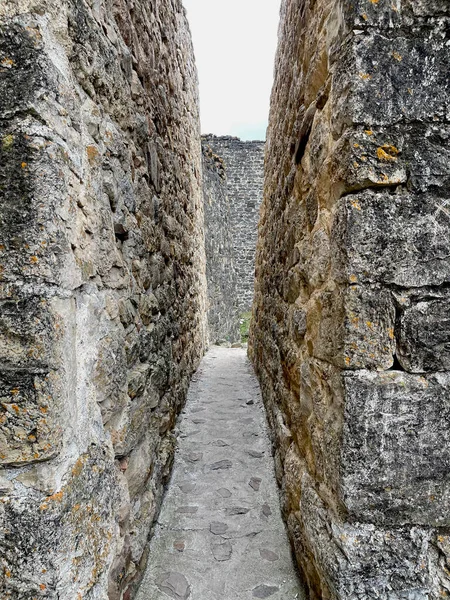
x: 254, y: 483
x: 186, y: 488
x: 211, y: 559
x: 237, y: 510
x: 264, y: 591
x: 255, y: 454
x: 268, y: 555
x: 222, y: 552
x: 218, y: 528
x: 194, y: 457
x: 221, y: 464
x: 179, y: 545
x: 175, y: 585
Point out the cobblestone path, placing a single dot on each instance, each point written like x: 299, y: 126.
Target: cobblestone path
x: 220, y: 535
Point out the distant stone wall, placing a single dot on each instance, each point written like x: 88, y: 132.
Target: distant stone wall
x: 221, y: 276
x: 244, y: 168
x: 102, y: 285
x: 351, y: 324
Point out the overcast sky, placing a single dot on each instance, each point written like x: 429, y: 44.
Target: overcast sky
x: 235, y: 43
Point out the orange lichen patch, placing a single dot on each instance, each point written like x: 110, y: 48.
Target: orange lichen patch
x: 8, y: 573
x: 387, y: 153
x: 92, y: 153
x: 347, y: 360
x: 369, y: 324
x: 364, y: 16
x: 397, y: 56
x: 78, y: 467
x: 356, y: 204
x: 391, y: 333
x: 23, y: 165
x: 42, y: 586
x: 7, y: 63
x: 2, y: 247
x: 355, y: 164
x: 355, y: 145
x: 34, y: 259
x: 76, y: 508
x: 15, y: 408
x: 363, y: 157
x: 57, y: 496
x: 365, y: 76
x: 353, y: 278
x: 43, y: 409
x: 374, y: 1
x: 32, y: 438
x: 368, y: 132
x: 15, y: 391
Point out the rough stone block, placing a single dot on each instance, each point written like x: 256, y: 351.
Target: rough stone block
x: 356, y: 561
x: 353, y: 327
x: 29, y: 430
x: 394, y: 458
x: 424, y: 332
x: 392, y: 238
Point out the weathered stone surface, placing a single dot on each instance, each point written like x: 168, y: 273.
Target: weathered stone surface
x: 241, y: 164
x: 350, y: 320
x: 102, y: 285
x: 395, y: 457
x: 221, y: 274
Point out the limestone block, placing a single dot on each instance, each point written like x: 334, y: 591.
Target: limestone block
x: 394, y: 460
x: 353, y: 327
x: 387, y: 240
x: 364, y: 561
x: 423, y: 338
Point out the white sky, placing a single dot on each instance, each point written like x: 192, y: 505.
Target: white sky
x: 235, y: 43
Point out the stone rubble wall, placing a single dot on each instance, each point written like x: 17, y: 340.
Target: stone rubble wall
x: 351, y: 322
x: 102, y: 285
x: 244, y: 170
x: 221, y: 274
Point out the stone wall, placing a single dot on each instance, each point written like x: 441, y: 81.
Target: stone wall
x: 221, y: 276
x: 244, y: 169
x: 351, y: 333
x: 102, y: 285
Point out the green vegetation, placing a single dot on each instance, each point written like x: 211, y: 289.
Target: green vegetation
x: 245, y: 326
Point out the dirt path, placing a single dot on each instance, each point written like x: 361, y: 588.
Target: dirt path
x: 220, y: 535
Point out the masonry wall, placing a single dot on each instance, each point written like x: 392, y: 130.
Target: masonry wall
x: 102, y: 285
x: 244, y: 170
x: 350, y: 334
x: 221, y: 274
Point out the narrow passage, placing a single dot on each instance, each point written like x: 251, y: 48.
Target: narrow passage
x: 220, y: 535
